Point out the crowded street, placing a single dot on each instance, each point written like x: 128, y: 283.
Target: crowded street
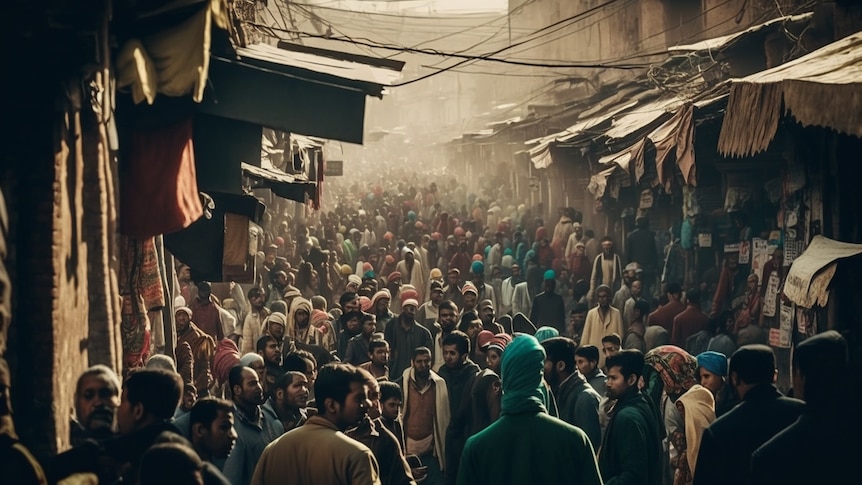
x: 320, y: 242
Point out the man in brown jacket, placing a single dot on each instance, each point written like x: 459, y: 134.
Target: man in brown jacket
x: 319, y: 451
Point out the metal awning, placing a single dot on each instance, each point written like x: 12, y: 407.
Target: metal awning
x: 822, y: 88
x: 285, y: 185
x: 297, y: 92
x: 720, y: 43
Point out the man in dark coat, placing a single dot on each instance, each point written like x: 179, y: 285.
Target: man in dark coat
x: 632, y: 450
x: 577, y: 401
x: 727, y: 444
x: 641, y: 249
x: 548, y: 307
x: 820, y: 369
x: 459, y: 372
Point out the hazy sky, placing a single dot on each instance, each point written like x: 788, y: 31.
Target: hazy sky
x: 418, y: 5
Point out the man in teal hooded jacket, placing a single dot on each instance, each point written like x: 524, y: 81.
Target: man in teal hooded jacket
x: 526, y: 445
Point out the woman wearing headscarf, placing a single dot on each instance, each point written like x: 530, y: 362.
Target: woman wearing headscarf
x: 299, y: 325
x: 545, y: 449
x: 669, y: 373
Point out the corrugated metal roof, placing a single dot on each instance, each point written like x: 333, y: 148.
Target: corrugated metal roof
x: 353, y: 71
x: 717, y: 43
x: 822, y: 88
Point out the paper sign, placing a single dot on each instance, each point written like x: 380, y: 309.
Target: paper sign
x: 744, y: 252
x: 704, y: 240
x: 771, y: 298
x: 786, y: 327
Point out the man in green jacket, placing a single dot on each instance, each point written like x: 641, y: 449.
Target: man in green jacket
x: 547, y: 450
x: 631, y: 449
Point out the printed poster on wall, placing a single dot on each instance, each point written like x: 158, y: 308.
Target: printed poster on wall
x: 771, y: 297
x: 760, y: 254
x: 786, y: 328
x: 744, y: 252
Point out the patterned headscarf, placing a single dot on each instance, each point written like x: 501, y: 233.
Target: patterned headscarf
x: 676, y: 367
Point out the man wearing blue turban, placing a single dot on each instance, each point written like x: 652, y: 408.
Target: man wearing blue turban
x: 526, y: 445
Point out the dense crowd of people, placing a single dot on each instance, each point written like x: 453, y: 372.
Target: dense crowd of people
x: 418, y: 334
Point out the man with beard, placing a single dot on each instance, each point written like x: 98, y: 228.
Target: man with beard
x: 404, y: 335
x: 426, y: 414
x: 211, y: 429
x: 253, y: 431
x: 631, y: 273
x: 319, y: 451
x: 576, y: 322
x: 469, y: 298
x: 486, y: 315
x: 202, y: 345
x: 267, y: 347
x: 97, y: 397
x: 427, y: 313
x: 607, y: 268
x: 206, y: 310
x: 286, y: 407
x: 351, y: 327
x: 452, y: 291
x: 447, y: 321
x: 632, y: 449
x: 548, y: 307
x: 577, y: 401
x: 602, y: 320
x: 484, y: 291
x: 378, y: 352
x: 252, y: 326
x: 507, y: 289
x: 380, y: 307
x: 458, y: 371
x: 636, y: 288
x: 372, y: 433
x: 357, y: 347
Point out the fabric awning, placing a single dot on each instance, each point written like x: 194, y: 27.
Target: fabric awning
x: 282, y: 184
x: 297, y: 92
x: 810, y: 274
x: 823, y: 88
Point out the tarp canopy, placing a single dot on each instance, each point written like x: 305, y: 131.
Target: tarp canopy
x: 285, y: 185
x: 823, y: 88
x: 810, y: 274
x: 297, y: 92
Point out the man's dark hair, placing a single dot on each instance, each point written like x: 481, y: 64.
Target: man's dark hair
x: 308, y: 356
x: 693, y: 296
x: 420, y: 351
x: 234, y: 377
x: 606, y: 238
x: 459, y: 339
x: 165, y: 463
x: 447, y: 305
x: 589, y: 352
x: 642, y: 222
x: 293, y: 362
x: 560, y: 349
x: 612, y: 338
x: 642, y: 306
x: 466, y: 320
x: 263, y: 341
x: 590, y: 233
x: 630, y: 362
x: 159, y: 391
x: 389, y: 389
x: 376, y: 344
x: 674, y: 288
x: 346, y: 297
x: 206, y: 410
x: 285, y: 380
x: 551, y: 285
x: 753, y: 364
x: 255, y: 291
x: 366, y: 317
x: 823, y: 361
x: 334, y: 382
x: 580, y: 308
